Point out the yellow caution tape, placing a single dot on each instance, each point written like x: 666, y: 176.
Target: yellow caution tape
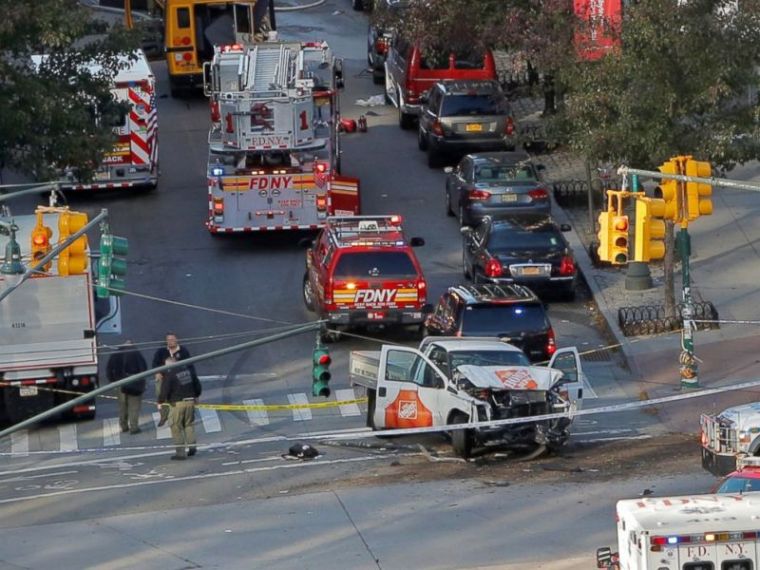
x: 276, y: 407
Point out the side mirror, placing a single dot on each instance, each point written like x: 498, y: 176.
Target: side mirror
x: 565, y: 227
x: 465, y: 230
x: 448, y: 169
x: 306, y: 243
x: 417, y: 242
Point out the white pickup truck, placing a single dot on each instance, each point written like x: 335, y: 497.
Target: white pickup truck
x: 454, y: 380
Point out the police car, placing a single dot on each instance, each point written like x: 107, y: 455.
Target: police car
x: 361, y: 270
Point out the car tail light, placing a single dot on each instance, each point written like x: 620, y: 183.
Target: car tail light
x: 214, y: 106
x: 218, y: 206
x: 551, y: 343
x: 421, y: 291
x: 539, y: 194
x: 84, y: 381
x: 493, y: 268
x: 409, y: 91
x: 474, y: 194
x: 509, y: 128
x: 381, y: 46
x: 437, y: 128
x: 567, y: 266
x: 321, y: 203
x: 396, y: 220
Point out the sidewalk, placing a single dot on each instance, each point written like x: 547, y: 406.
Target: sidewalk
x: 724, y: 262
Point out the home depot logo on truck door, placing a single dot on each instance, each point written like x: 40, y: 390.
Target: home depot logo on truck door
x: 407, y: 410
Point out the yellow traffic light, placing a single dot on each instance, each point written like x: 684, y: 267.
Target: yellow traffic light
x: 698, y: 201
x: 649, y: 240
x: 670, y: 191
x: 605, y: 238
x: 72, y: 260
x: 41, y: 242
x: 619, y: 233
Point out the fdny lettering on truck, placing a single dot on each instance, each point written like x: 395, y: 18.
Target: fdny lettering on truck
x: 271, y: 182
x: 269, y: 141
x: 375, y: 296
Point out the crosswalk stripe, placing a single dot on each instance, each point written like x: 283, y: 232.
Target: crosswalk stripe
x: 347, y: 409
x: 303, y: 414
x: 20, y: 442
x: 162, y: 432
x: 67, y: 435
x: 210, y: 420
x: 111, y: 432
x: 257, y: 417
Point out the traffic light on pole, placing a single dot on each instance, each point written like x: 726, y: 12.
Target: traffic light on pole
x: 111, y: 265
x: 605, y: 238
x: 72, y: 260
x: 649, y: 240
x: 321, y: 372
x: 619, y: 238
x: 41, y: 242
x: 698, y: 201
x: 668, y: 191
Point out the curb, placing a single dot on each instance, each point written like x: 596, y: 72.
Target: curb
x: 587, y: 269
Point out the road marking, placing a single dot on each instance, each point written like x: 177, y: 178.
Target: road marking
x: 20, y: 443
x: 67, y: 435
x: 284, y: 465
x: 111, y: 432
x: 210, y: 421
x: 251, y: 376
x: 301, y: 414
x: 29, y: 477
x: 347, y: 409
x: 262, y: 460
x: 605, y: 431
x: 162, y: 432
x: 614, y: 438
x: 257, y: 417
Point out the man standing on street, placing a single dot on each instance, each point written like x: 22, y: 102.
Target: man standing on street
x: 181, y: 389
x: 175, y: 351
x: 127, y: 361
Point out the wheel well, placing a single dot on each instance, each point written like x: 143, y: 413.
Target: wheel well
x: 754, y: 447
x: 454, y: 414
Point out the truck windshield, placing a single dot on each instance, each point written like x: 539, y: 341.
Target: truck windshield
x: 375, y: 264
x: 740, y: 485
x: 503, y: 320
x: 488, y: 358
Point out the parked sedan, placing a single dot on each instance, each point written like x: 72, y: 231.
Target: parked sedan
x: 495, y: 184
x: 529, y: 250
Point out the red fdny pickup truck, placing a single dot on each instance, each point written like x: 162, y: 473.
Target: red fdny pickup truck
x: 361, y: 270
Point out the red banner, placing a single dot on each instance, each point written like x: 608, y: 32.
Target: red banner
x: 599, y: 27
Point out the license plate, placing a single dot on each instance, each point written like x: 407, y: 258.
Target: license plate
x: 531, y: 271
x: 27, y: 391
x: 473, y: 127
x: 102, y: 175
x: 509, y: 197
x: 375, y: 316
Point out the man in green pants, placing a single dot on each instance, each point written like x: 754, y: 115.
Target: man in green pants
x: 181, y: 389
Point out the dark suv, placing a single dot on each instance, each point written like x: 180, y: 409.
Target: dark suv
x: 465, y: 116
x: 510, y: 312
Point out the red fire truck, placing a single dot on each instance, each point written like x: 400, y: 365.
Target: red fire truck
x: 274, y: 154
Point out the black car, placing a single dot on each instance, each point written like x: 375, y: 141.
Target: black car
x: 379, y: 36
x: 461, y: 116
x: 529, y: 250
x: 495, y: 184
x: 510, y: 312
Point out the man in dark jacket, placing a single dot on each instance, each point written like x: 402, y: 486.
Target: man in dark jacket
x: 177, y: 352
x: 127, y: 361
x: 181, y: 389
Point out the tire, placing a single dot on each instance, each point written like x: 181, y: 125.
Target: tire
x: 462, y: 216
x: 422, y: 142
x: 357, y: 5
x: 465, y: 270
x: 449, y: 212
x: 461, y: 439
x: 308, y: 294
x: 378, y: 77
x: 405, y: 120
x: 433, y: 158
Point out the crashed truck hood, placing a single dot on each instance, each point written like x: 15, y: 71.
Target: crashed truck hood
x: 744, y: 416
x: 511, y: 377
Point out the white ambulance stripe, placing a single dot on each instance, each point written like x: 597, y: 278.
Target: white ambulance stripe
x: 20, y: 442
x: 302, y: 414
x: 67, y: 435
x: 161, y: 432
x: 210, y: 420
x: 347, y: 409
x: 111, y: 432
x: 257, y: 417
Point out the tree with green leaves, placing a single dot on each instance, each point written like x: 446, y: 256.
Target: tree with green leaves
x: 57, y: 110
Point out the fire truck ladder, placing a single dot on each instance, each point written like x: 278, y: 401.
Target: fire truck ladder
x: 269, y: 71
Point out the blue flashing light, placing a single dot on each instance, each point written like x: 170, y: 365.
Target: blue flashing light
x: 519, y: 311
x: 672, y: 540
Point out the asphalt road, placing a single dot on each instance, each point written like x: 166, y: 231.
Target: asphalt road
x: 214, y: 291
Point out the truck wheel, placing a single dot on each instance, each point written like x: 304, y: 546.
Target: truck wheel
x: 378, y: 77
x: 308, y: 293
x: 461, y: 439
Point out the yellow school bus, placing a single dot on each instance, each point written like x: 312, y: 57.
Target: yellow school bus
x: 193, y: 27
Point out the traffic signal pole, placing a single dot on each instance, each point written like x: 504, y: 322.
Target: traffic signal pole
x: 53, y: 252
x: 688, y: 367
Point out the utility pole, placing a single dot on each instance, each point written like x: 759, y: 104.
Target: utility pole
x: 689, y: 201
